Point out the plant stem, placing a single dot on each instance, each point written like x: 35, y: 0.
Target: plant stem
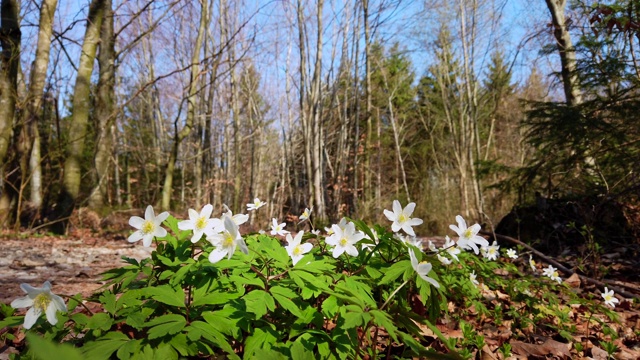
x: 393, y: 294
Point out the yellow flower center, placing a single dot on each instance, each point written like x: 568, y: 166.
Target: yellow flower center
x: 402, y: 218
x: 555, y: 274
x: 608, y: 297
x: 201, y: 223
x: 344, y: 242
x: 42, y: 301
x: 148, y: 227
x: 468, y: 233
x: 228, y: 240
x: 297, y: 250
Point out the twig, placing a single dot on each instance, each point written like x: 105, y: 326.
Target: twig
x: 561, y: 267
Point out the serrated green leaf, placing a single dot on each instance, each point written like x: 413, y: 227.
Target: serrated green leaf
x: 131, y: 347
x: 165, y: 325
x: 165, y: 351
x: 42, y: 349
x: 258, y: 301
x: 220, y: 322
x: 108, y: 300
x: 383, y: 319
x: 103, y: 347
x: 100, y: 321
x: 180, y: 274
x: 262, y: 338
x: 246, y: 280
x: 216, y: 298
x: 288, y: 305
x: 12, y: 321
x: 394, y: 271
x: 330, y: 307
x: 181, y: 344
x: 167, y: 295
x: 214, y: 336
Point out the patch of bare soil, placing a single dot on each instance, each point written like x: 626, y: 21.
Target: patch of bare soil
x: 72, y: 264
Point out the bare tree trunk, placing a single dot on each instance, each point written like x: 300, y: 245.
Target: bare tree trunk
x: 567, y: 52
x: 104, y: 109
x: 191, y: 108
x: 34, y: 101
x: 318, y: 138
x: 77, y: 130
x: 9, y: 65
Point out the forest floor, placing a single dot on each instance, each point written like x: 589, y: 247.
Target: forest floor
x: 74, y: 263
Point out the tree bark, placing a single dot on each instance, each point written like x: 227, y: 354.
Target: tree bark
x: 104, y: 109
x: 567, y: 53
x: 191, y: 110
x: 77, y: 130
x: 10, y: 62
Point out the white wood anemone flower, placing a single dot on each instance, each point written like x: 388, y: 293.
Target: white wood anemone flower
x: 305, y: 214
x: 226, y: 241
x: 468, y: 236
x: 552, y: 273
x: 256, y: 204
x: 201, y: 223
x: 422, y: 268
x: 609, y: 298
x: 402, y: 218
x: 149, y: 227
x: 39, y: 300
x: 278, y: 228
x: 239, y: 219
x: 344, y: 240
x: 295, y: 249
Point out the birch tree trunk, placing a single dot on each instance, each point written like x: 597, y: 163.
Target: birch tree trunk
x: 104, y: 109
x: 34, y: 101
x: 191, y: 109
x: 9, y: 65
x: 567, y: 53
x: 77, y: 130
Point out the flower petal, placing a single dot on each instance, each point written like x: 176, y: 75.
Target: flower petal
x: 31, y: 317
x: 50, y: 312
x: 351, y: 250
x: 408, y: 210
x: 408, y: 229
x: 397, y: 208
x: 22, y: 302
x: 207, y: 210
x: 306, y: 247
x: 185, y: 225
x: 162, y: 217
x: 391, y: 216
x: 461, y: 223
x: 149, y: 214
x: 160, y: 232
x: 137, y: 235
x: 217, y: 255
x: 59, y: 303
x: 32, y: 291
x: 147, y: 239
x: 136, y: 222
x: 243, y: 246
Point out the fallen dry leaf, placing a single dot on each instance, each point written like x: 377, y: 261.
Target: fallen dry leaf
x: 573, y: 281
x: 549, y: 347
x: 598, y: 354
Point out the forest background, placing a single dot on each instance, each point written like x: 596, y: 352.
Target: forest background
x: 464, y: 107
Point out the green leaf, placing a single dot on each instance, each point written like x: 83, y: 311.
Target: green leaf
x: 100, y: 321
x: 215, y: 298
x: 108, y: 300
x: 181, y: 344
x: 165, y: 351
x: 181, y: 274
x: 245, y: 280
x: 12, y: 321
x: 167, y: 295
x: 394, y: 271
x: 211, y: 334
x: 103, y: 347
x: 330, y: 307
x: 131, y: 347
x: 302, y: 348
x: 262, y: 338
x: 383, y: 319
x: 220, y: 321
x: 165, y: 325
x: 258, y: 301
x: 288, y: 305
x: 43, y: 349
